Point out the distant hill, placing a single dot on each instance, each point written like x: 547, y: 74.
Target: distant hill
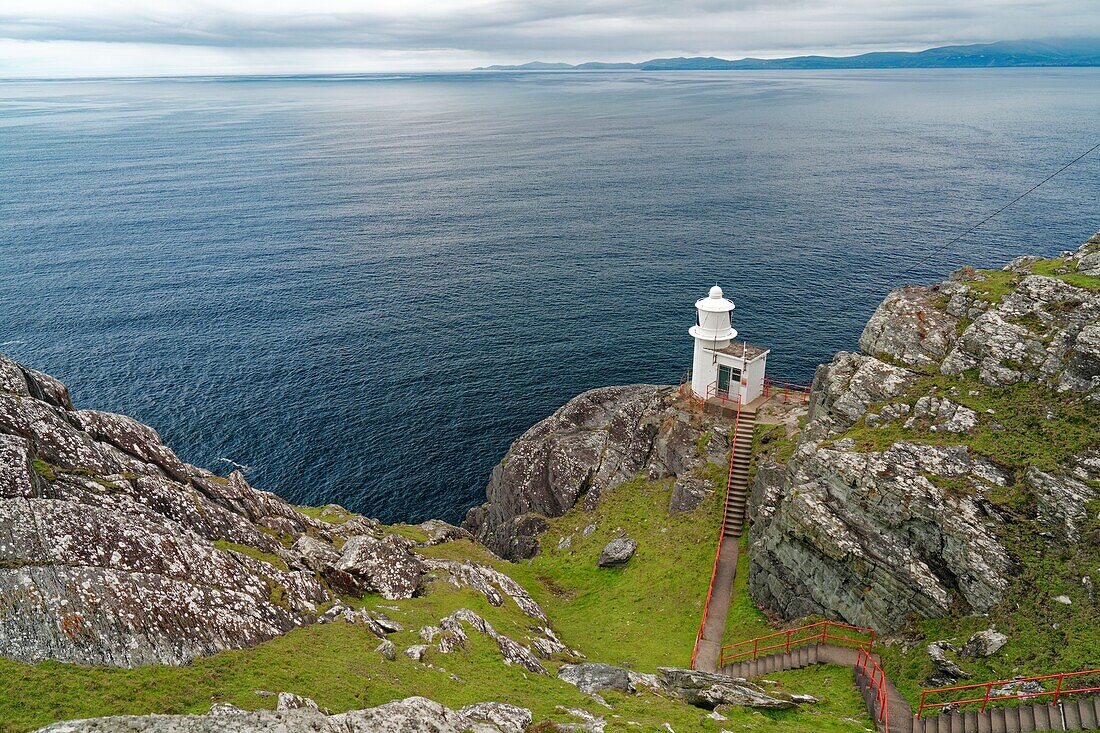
x: 1078, y: 52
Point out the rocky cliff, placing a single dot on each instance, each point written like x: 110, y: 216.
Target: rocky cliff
x: 971, y: 418
x: 115, y: 552
x: 593, y: 443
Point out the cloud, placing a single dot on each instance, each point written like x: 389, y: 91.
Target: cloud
x: 302, y: 34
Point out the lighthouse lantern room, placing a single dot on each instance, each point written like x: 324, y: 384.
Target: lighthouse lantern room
x: 724, y: 368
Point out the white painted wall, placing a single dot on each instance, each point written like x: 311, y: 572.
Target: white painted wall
x: 704, y: 371
x: 754, y: 375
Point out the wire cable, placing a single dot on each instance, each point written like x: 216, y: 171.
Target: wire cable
x: 935, y: 252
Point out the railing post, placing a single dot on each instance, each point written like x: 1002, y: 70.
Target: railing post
x: 871, y: 643
x: 1058, y: 690
x: 920, y: 710
x: 755, y: 644
x: 988, y: 689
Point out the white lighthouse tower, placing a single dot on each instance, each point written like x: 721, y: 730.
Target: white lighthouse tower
x: 722, y: 368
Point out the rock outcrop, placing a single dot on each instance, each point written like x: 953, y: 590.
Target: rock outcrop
x: 400, y: 716
x: 115, y: 552
x: 595, y: 442
x: 870, y: 529
x: 709, y: 690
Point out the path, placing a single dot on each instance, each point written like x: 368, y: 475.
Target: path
x: 709, y: 643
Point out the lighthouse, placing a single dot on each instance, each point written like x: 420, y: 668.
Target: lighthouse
x: 724, y: 368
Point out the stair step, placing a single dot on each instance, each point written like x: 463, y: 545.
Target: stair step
x: 970, y: 721
x: 943, y: 723
x: 997, y: 720
x: 984, y: 723
x: 1027, y: 718
x: 1072, y: 715
x: 1040, y: 712
x: 1089, y: 719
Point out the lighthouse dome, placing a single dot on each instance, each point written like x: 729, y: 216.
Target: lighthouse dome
x: 713, y: 321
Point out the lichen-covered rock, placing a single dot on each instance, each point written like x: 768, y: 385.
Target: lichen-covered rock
x: 709, y: 690
x: 910, y: 327
x: 595, y: 677
x: 844, y: 389
x: 491, y: 583
x: 454, y: 636
x: 508, y: 718
x: 984, y: 644
x: 439, y: 532
x: 1061, y: 500
x: 596, y: 441
x: 1044, y: 330
x: 869, y: 538
x: 617, y: 552
x: 874, y: 533
x: 400, y: 716
x: 115, y: 552
x: 937, y: 652
x: 385, y: 566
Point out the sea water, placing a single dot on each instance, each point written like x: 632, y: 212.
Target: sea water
x: 361, y: 289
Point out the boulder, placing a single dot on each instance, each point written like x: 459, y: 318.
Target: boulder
x: 709, y: 690
x: 592, y: 677
x: 387, y: 649
x: 617, y: 552
x: 290, y: 701
x: 384, y: 566
x: 439, y: 532
x: 984, y: 644
x: 508, y: 718
x: 937, y: 653
x: 911, y: 328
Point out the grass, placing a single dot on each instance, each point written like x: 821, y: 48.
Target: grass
x: 993, y: 285
x: 643, y: 615
x: 1030, y: 424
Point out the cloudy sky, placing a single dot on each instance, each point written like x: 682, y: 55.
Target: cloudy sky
x: 142, y: 37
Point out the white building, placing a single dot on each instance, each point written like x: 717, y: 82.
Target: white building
x: 724, y: 368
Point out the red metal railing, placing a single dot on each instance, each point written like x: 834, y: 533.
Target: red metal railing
x: 877, y: 678
x: 1058, y: 691
x: 788, y: 390
x: 721, y: 537
x: 713, y: 392
x: 812, y: 634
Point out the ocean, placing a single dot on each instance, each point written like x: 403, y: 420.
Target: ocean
x: 361, y: 289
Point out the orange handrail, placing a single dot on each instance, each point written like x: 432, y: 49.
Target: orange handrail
x: 801, y: 392
x: 877, y: 678
x: 721, y: 536
x: 1057, y: 692
x: 819, y: 636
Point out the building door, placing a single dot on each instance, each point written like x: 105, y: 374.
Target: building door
x: 727, y: 375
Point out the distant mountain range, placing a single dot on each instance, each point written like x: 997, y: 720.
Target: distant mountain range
x: 1079, y: 52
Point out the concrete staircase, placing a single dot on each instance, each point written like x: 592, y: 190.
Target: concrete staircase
x: 901, y: 715
x: 709, y: 642
x: 738, y: 488
x: 1073, y: 714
